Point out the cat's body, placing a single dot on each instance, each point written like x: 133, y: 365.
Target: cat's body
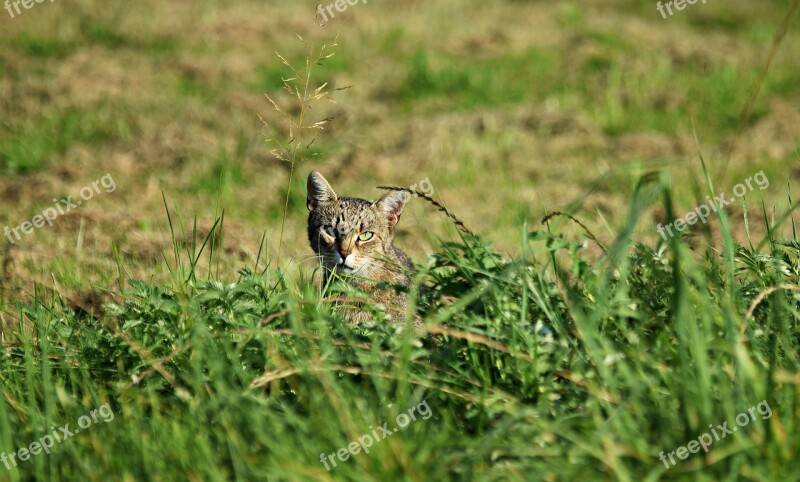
x: 353, y: 238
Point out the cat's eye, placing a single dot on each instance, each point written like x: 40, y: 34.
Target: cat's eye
x: 366, y: 236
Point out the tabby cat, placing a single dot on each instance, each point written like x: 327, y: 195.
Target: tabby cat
x: 353, y: 238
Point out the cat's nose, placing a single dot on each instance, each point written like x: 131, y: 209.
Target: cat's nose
x: 344, y: 253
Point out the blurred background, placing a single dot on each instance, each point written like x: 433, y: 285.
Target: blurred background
x: 510, y: 108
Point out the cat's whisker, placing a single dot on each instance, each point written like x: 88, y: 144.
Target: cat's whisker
x: 305, y: 260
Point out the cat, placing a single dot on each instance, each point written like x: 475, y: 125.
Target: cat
x: 353, y: 238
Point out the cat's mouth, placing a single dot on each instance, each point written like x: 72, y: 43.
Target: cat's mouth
x: 350, y: 269
x: 346, y: 265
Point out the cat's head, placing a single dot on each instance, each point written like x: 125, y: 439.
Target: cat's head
x: 352, y: 236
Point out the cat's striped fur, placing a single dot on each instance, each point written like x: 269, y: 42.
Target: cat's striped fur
x: 353, y: 239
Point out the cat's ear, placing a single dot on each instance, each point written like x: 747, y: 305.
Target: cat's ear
x: 319, y: 191
x: 392, y: 205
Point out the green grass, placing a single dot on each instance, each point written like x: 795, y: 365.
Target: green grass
x: 487, y: 82
x: 271, y: 75
x: 555, y: 367
x: 42, y: 47
x: 545, y: 359
x: 91, y: 33
x: 616, y: 94
x: 224, y: 176
x: 36, y: 144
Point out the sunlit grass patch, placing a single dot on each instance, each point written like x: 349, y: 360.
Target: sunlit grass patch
x: 38, y: 142
x: 41, y: 47
x: 479, y: 83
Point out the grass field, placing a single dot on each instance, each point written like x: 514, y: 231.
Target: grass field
x: 173, y: 321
